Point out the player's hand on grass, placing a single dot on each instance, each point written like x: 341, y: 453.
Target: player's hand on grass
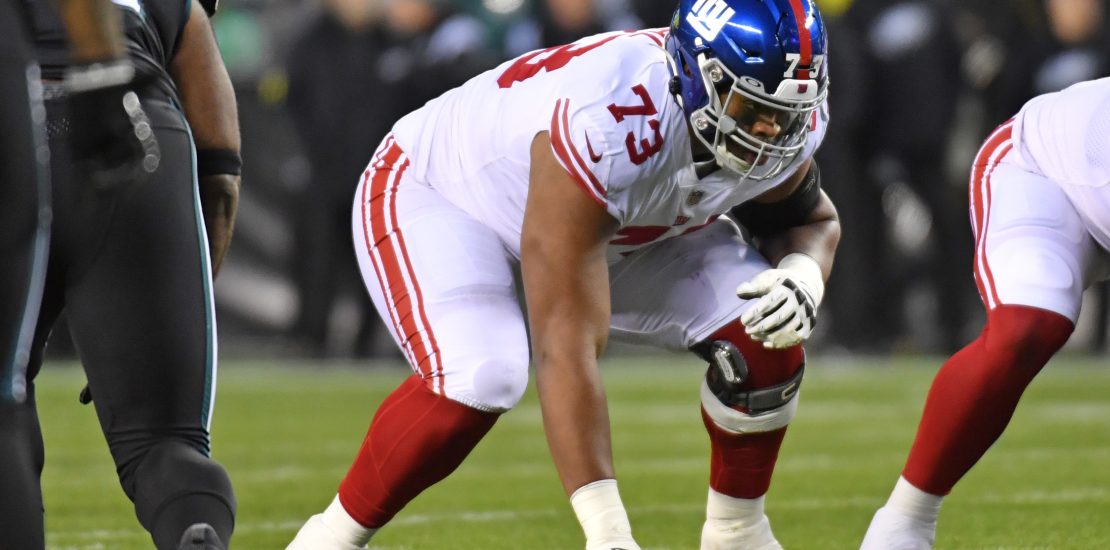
x: 614, y: 545
x: 110, y: 134
x: 787, y: 297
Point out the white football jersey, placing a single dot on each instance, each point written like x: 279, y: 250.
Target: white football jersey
x: 1065, y: 136
x: 613, y: 126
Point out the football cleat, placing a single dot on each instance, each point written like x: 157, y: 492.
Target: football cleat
x: 315, y: 535
x: 893, y: 530
x: 200, y: 536
x: 727, y: 535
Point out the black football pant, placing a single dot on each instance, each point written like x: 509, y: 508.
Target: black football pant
x: 24, y: 235
x: 129, y: 266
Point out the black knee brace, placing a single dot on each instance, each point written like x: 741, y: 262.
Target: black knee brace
x: 728, y: 371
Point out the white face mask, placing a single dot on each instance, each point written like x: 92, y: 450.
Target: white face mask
x: 754, y: 134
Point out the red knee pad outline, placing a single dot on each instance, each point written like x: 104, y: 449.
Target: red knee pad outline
x: 766, y: 367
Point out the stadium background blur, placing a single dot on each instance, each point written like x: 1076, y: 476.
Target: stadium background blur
x: 915, y: 87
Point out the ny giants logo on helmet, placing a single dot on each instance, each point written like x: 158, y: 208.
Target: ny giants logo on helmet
x: 708, y: 17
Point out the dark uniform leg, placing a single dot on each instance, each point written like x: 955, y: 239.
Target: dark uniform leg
x: 24, y: 233
x: 139, y: 304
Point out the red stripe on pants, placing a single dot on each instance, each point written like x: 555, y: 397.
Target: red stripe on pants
x: 382, y: 243
x: 996, y: 146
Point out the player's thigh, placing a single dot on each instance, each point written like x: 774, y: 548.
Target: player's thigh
x: 443, y: 283
x: 677, y: 292
x: 1031, y: 246
x: 138, y: 290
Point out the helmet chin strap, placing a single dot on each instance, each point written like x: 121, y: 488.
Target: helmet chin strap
x: 732, y: 163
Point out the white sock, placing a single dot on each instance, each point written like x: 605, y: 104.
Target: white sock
x: 914, y: 502
x: 744, y: 511
x: 344, y: 526
x: 600, y: 511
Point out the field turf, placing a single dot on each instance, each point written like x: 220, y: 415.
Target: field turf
x: 287, y: 432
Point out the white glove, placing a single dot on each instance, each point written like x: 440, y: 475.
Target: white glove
x: 786, y: 311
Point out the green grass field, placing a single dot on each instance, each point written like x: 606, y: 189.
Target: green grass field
x: 287, y: 434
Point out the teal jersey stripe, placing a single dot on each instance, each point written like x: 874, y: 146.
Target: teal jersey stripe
x: 209, y: 298
x: 13, y: 379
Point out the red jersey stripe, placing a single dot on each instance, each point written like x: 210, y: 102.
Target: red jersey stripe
x: 656, y: 35
x: 559, y: 147
x: 574, y: 151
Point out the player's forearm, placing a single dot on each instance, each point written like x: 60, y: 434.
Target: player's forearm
x: 206, y: 91
x: 219, y: 198
x: 93, y: 29
x: 568, y: 313
x: 576, y: 419
x: 817, y: 238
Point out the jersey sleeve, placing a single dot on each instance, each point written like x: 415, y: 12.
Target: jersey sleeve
x: 580, y: 144
x: 612, y: 141
x: 168, y: 18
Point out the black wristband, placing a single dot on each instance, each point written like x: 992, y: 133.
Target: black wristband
x: 211, y: 162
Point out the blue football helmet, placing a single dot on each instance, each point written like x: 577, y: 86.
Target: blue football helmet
x: 749, y: 75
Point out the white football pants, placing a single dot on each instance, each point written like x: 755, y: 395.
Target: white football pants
x: 445, y: 285
x: 1032, y: 247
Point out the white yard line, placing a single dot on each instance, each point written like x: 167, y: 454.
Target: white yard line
x: 77, y: 540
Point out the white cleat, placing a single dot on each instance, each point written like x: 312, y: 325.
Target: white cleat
x: 729, y: 535
x: 893, y: 530
x: 315, y: 535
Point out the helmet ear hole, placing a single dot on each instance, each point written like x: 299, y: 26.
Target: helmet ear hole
x: 685, y: 66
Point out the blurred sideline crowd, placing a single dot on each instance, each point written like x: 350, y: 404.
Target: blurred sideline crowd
x: 915, y: 86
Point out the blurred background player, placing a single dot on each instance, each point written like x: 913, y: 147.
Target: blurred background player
x: 1040, y: 212
x: 400, y: 53
x: 600, y: 168
x: 129, y: 259
x: 557, y: 22
x: 881, y: 158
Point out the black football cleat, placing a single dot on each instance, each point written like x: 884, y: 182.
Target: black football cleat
x: 200, y: 536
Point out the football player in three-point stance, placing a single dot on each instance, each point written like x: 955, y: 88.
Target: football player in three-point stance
x: 615, y: 171
x: 1040, y: 211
